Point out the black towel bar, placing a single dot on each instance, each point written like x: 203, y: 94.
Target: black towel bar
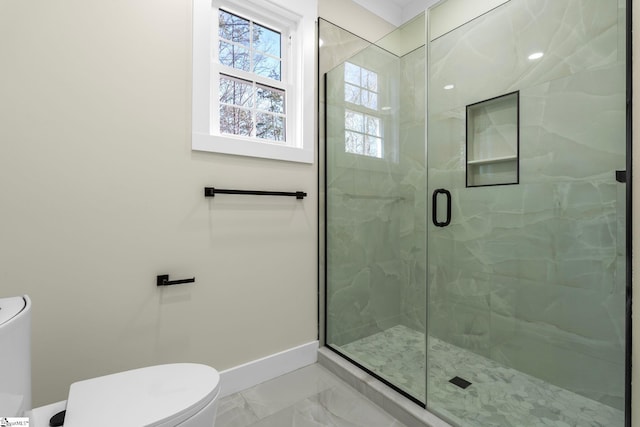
x: 211, y: 192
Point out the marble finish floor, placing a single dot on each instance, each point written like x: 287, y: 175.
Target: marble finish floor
x: 309, y: 397
x: 498, y: 396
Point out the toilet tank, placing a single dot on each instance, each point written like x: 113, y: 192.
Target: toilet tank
x: 15, y: 356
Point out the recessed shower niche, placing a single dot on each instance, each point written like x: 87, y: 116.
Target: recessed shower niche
x: 492, y: 141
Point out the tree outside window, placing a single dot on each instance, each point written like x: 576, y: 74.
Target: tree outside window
x: 248, y: 106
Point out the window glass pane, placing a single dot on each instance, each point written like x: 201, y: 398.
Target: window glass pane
x: 248, y: 108
x: 370, y: 80
x: 235, y: 121
x: 352, y: 74
x: 234, y: 56
x: 352, y: 94
x: 266, y: 66
x: 353, y: 142
x: 373, y: 146
x: 232, y: 27
x: 372, y: 126
x: 354, y: 121
x: 270, y: 127
x: 236, y: 92
x: 266, y: 40
x: 271, y: 100
x: 369, y: 99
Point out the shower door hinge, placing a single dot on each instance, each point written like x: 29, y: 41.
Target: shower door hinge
x: 621, y: 176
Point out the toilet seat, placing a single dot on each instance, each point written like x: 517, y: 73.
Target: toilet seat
x: 155, y: 396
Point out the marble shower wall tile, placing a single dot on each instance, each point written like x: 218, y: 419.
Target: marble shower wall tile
x: 575, y: 35
x: 545, y: 276
x: 542, y: 352
x: 531, y: 275
x: 579, y: 115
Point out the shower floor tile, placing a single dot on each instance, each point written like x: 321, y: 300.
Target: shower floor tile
x: 497, y: 396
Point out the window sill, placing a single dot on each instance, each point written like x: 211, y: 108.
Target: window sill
x: 243, y: 147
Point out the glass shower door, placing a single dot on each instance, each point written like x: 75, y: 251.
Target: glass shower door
x: 526, y: 278
x: 376, y: 208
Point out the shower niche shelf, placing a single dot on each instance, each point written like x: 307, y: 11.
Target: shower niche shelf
x: 492, y: 141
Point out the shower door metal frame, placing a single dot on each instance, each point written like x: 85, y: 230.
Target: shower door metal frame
x: 629, y: 213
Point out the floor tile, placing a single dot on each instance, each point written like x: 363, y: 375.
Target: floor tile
x: 331, y: 408
x: 344, y: 405
x: 233, y: 411
x: 272, y: 396
x: 309, y: 397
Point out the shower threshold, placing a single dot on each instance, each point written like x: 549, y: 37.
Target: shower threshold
x: 497, y: 396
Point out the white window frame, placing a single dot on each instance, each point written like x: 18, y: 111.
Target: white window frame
x: 295, y: 19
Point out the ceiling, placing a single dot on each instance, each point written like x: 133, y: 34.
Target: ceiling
x: 396, y: 12
x: 402, y: 3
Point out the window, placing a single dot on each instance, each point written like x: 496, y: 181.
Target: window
x: 251, y: 59
x: 251, y: 95
x: 363, y: 133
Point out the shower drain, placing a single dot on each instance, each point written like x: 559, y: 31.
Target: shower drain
x: 460, y: 382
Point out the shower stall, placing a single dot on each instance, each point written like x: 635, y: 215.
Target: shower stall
x: 475, y: 211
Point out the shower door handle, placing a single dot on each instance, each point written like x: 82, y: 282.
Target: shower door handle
x: 434, y: 213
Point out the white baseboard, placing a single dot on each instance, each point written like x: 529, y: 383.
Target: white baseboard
x: 258, y: 371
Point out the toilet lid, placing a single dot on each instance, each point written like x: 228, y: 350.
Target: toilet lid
x: 10, y: 308
x: 152, y: 396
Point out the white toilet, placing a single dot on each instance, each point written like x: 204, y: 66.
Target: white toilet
x: 180, y: 394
